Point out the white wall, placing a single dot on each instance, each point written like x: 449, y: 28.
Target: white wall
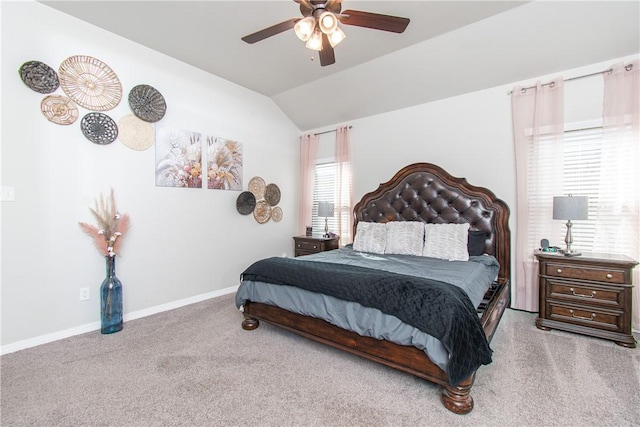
x: 184, y: 244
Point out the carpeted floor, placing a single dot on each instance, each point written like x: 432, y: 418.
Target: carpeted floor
x: 196, y: 366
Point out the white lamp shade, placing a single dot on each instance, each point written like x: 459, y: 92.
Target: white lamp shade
x: 325, y: 209
x: 571, y: 207
x: 304, y: 28
x: 315, y: 41
x: 336, y: 37
x: 327, y: 22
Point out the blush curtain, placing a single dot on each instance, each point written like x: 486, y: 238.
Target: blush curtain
x: 538, y: 124
x: 308, y: 154
x: 344, y: 197
x: 619, y: 189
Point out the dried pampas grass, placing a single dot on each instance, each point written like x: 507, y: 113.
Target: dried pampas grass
x: 112, y: 226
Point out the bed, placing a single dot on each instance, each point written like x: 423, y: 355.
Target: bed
x: 417, y: 310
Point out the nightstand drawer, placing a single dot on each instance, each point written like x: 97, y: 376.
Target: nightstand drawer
x: 608, y: 275
x: 609, y: 296
x: 586, y: 316
x: 306, y: 245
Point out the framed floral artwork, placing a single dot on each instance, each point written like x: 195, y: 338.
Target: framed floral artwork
x: 178, y: 158
x: 224, y: 164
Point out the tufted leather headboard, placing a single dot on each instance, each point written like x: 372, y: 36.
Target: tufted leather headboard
x: 425, y: 192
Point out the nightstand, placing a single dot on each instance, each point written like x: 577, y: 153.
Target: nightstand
x: 305, y: 245
x: 588, y: 294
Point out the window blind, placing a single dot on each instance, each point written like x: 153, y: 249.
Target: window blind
x: 325, y: 191
x: 581, y: 162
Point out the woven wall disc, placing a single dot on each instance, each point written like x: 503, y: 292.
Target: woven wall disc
x: 246, y: 203
x: 99, y: 128
x: 262, y: 212
x: 59, y: 109
x: 257, y: 186
x: 90, y: 83
x: 135, y: 133
x: 276, y: 214
x: 147, y: 103
x: 39, y: 77
x: 272, y: 194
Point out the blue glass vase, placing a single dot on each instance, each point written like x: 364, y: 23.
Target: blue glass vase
x: 111, y: 300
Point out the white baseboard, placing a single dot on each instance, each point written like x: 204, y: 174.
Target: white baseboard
x: 94, y: 326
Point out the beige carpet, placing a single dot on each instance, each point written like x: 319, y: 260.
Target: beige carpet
x: 195, y: 366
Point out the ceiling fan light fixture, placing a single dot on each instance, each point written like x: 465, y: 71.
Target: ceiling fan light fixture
x: 336, y: 37
x: 327, y: 22
x: 315, y: 41
x: 304, y: 28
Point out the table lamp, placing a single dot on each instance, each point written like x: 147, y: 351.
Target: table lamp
x: 570, y: 208
x: 325, y: 209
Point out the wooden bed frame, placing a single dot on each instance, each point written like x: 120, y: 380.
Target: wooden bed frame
x: 418, y: 192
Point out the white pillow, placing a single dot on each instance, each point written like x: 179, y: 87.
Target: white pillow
x: 446, y: 241
x: 370, y: 237
x: 405, y: 238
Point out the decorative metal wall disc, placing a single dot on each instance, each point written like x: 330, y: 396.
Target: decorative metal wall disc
x: 147, y: 103
x: 135, y: 134
x: 99, y: 128
x: 39, y: 76
x: 262, y: 212
x: 272, y: 194
x: 90, y: 83
x: 256, y: 186
x: 59, y: 109
x: 246, y: 202
x: 276, y: 214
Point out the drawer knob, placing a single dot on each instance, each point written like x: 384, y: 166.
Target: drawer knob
x: 573, y: 292
x: 609, y: 276
x: 559, y: 271
x: 593, y: 316
x: 315, y: 247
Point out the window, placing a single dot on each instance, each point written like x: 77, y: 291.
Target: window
x: 325, y: 191
x: 581, y: 162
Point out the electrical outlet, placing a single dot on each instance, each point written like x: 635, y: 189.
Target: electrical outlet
x: 85, y: 294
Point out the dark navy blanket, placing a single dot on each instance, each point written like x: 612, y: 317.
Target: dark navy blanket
x: 441, y: 310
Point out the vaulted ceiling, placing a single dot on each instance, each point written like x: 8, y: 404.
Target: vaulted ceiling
x: 449, y: 47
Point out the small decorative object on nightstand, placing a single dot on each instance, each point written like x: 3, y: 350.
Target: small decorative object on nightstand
x: 589, y: 295
x: 305, y: 245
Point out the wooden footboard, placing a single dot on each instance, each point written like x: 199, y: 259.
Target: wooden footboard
x: 404, y: 358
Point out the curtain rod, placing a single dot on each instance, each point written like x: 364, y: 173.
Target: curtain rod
x: 328, y: 131
x: 627, y: 67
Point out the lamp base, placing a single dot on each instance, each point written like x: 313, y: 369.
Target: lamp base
x: 570, y: 253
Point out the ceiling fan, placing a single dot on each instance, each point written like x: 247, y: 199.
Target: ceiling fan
x: 319, y: 26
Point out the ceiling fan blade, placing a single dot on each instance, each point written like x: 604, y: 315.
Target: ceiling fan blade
x: 394, y: 24
x: 271, y: 31
x: 327, y: 56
